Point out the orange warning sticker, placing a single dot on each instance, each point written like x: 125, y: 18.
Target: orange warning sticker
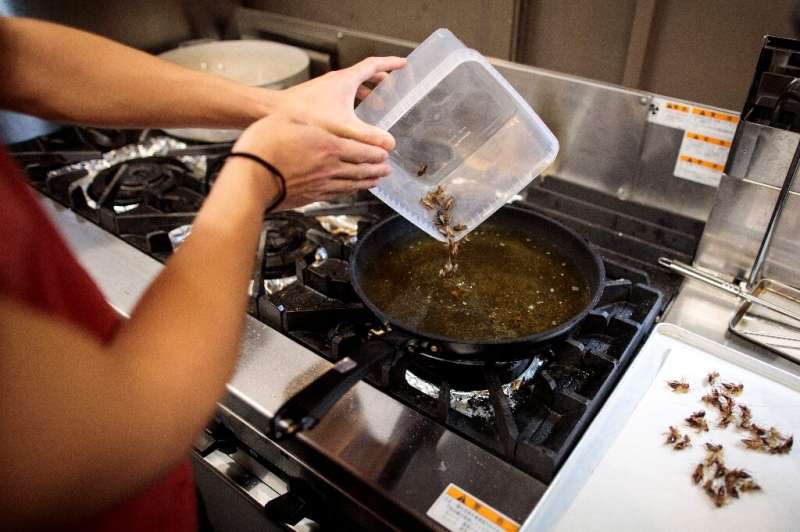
x: 716, y: 115
x: 706, y: 142
x: 455, y: 509
x: 677, y: 107
x: 709, y: 139
x: 701, y: 162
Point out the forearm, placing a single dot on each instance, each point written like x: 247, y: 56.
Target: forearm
x: 68, y: 75
x: 127, y: 411
x: 185, y: 331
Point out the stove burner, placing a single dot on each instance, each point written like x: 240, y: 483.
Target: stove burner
x: 476, y: 403
x: 286, y: 241
x: 128, y: 183
x: 109, y: 139
x: 283, y: 237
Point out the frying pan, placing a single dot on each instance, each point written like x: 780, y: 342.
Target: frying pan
x: 462, y: 361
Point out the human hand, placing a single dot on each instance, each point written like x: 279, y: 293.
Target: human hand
x: 316, y: 164
x: 327, y: 101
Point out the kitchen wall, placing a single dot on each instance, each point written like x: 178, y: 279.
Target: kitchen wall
x: 700, y: 51
x: 154, y: 25
x: 486, y: 25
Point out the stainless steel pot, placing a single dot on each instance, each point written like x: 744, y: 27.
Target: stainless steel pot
x: 253, y: 62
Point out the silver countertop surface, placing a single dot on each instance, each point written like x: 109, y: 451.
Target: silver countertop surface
x: 707, y: 311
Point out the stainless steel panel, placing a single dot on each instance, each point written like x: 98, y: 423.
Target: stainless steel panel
x: 224, y: 504
x: 707, y: 311
x: 606, y: 141
x: 241, y: 477
x: 121, y: 271
x: 765, y: 327
x: 737, y: 224
x: 658, y: 186
x: 374, y: 437
x: 762, y: 154
x: 599, y: 127
x: 387, y: 445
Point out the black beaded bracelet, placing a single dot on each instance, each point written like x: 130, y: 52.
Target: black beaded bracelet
x: 271, y: 169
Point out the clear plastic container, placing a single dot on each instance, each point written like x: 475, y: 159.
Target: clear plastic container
x: 459, y: 124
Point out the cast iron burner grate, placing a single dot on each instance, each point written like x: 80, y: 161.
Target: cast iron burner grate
x: 148, y: 179
x: 533, y: 421
x: 287, y: 238
x: 141, y: 200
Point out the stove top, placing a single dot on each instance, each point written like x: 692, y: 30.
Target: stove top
x: 146, y: 188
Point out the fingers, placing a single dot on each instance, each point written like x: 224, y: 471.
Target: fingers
x: 357, y: 172
x: 358, y: 130
x: 371, y: 66
x: 343, y: 186
x: 352, y: 151
x: 362, y: 92
x: 377, y: 78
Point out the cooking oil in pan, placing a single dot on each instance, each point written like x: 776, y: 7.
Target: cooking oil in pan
x: 508, y: 285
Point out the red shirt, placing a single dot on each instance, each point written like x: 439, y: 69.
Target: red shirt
x: 37, y: 269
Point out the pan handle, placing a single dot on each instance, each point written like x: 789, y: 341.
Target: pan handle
x: 304, y: 410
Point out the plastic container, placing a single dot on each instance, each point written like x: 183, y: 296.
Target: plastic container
x: 459, y: 124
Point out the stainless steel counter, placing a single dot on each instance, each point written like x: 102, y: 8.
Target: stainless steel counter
x: 706, y: 311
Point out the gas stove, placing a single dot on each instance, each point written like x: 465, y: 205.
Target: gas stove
x: 146, y: 188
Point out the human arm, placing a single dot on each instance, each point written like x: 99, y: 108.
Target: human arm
x: 84, y: 425
x: 67, y: 75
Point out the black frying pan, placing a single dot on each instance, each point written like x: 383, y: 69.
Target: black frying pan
x: 437, y: 353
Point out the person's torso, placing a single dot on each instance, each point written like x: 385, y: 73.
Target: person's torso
x: 38, y: 269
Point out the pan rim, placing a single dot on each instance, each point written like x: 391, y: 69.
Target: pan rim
x: 536, y: 338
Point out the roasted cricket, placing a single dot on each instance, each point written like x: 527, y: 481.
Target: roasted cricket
x: 680, y: 386
x: 672, y: 435
x: 437, y: 200
x: 697, y: 421
x: 745, y: 416
x: 699, y: 472
x: 714, y: 454
x: 683, y: 443
x: 753, y: 443
x: 717, y: 494
x: 733, y: 389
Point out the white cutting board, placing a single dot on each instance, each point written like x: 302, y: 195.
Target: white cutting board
x: 642, y: 484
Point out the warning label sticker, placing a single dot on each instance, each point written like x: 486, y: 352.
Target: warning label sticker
x: 706, y: 140
x: 457, y: 510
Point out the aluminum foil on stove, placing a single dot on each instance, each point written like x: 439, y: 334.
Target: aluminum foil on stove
x: 149, y: 147
x: 476, y: 403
